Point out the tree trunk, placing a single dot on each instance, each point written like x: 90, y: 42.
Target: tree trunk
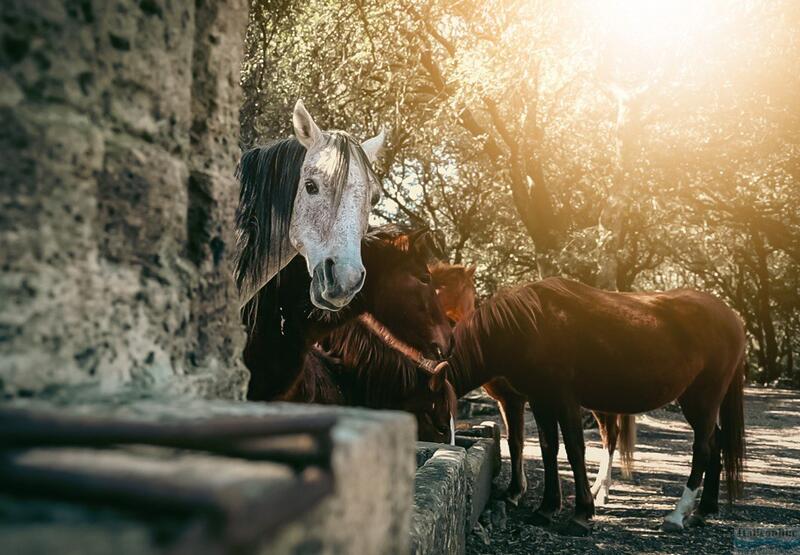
x: 764, y: 311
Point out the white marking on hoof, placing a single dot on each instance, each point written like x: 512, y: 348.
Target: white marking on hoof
x: 601, y: 498
x: 452, y: 431
x: 674, y: 520
x: 602, y: 483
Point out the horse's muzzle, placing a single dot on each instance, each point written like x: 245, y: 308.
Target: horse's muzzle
x: 335, y: 282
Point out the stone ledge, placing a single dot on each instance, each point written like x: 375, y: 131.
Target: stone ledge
x: 369, y: 511
x: 452, y: 487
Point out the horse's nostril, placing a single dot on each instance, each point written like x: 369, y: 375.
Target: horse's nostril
x: 327, y: 272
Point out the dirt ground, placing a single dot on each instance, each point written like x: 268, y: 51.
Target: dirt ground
x: 630, y: 522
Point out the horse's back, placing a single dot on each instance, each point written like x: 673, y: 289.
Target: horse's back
x: 615, y: 347
x: 678, y: 306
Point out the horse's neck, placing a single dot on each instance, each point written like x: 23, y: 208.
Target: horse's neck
x: 275, y: 362
x: 288, y: 253
x: 467, y: 373
x: 276, y: 352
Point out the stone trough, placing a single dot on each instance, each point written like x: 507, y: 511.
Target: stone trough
x: 452, y: 487
x: 368, y: 510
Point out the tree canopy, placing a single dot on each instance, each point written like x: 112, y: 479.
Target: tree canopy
x: 631, y: 144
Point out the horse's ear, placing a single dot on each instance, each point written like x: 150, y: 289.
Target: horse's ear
x: 426, y: 245
x: 372, y: 147
x: 305, y: 129
x: 470, y: 271
x: 438, y: 377
x: 421, y: 244
x: 436, y: 382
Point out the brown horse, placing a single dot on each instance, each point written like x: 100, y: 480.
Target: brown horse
x: 563, y: 345
x: 363, y: 364
x: 455, y: 289
x: 283, y: 325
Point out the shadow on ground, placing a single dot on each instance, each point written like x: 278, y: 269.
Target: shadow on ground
x: 630, y: 522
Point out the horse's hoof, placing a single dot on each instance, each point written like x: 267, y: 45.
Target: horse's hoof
x: 541, y: 519
x: 601, y: 500
x: 514, y: 498
x: 671, y: 527
x: 576, y: 528
x: 695, y: 520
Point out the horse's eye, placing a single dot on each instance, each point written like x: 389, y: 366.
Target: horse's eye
x: 311, y: 187
x: 425, y: 278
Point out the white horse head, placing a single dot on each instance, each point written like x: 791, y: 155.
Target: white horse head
x: 311, y: 195
x: 331, y: 210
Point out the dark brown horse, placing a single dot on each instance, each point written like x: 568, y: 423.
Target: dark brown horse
x: 283, y: 325
x: 363, y: 364
x: 563, y: 345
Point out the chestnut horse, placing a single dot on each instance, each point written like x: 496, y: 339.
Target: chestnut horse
x: 363, y: 364
x: 456, y: 291
x: 564, y: 345
x: 283, y: 325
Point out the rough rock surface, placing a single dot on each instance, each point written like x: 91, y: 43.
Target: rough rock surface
x: 119, y: 143
x: 437, y: 524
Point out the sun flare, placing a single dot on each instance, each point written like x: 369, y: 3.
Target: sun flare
x: 647, y: 25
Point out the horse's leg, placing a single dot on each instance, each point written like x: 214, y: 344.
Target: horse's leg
x: 702, y: 419
x: 609, y: 430
x: 709, y: 500
x: 547, y: 425
x: 572, y: 430
x: 512, y: 407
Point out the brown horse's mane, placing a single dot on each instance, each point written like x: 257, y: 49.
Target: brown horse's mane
x: 362, y: 362
x: 510, y: 313
x: 356, y: 366
x: 375, y: 371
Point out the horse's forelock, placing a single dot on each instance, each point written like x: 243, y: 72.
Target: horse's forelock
x: 449, y: 274
x: 347, y: 149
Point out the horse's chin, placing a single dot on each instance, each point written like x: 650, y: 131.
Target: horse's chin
x: 321, y: 302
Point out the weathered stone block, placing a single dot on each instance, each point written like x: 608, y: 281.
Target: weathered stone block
x: 369, y: 511
x: 437, y: 525
x: 115, y: 262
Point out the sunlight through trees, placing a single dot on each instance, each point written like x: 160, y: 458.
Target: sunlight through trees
x: 631, y: 145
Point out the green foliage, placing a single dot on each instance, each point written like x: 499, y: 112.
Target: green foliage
x: 540, y: 138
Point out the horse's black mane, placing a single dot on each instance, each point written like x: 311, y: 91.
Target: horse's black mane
x: 269, y: 176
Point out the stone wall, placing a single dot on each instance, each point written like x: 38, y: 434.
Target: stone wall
x: 119, y: 141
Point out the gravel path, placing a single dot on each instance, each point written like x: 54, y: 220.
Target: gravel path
x: 631, y: 520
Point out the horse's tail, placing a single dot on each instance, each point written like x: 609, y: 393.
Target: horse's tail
x: 731, y: 416
x: 626, y: 441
